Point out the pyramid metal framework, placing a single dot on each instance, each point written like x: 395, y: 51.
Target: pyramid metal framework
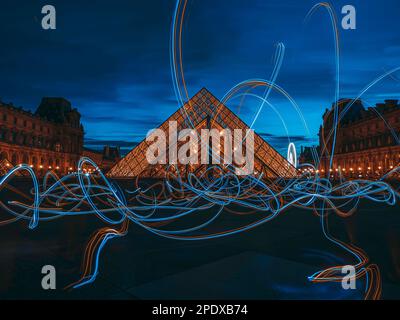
x: 6, y: 166
x: 200, y: 109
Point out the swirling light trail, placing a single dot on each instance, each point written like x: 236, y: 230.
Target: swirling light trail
x: 158, y: 207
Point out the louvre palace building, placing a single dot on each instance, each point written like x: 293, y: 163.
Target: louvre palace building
x: 367, y: 143
x: 51, y: 138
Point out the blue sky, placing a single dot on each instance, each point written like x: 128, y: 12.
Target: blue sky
x: 111, y: 59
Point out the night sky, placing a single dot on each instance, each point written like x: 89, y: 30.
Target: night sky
x: 111, y: 60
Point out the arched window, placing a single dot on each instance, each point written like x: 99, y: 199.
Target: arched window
x: 4, y: 155
x: 14, y: 159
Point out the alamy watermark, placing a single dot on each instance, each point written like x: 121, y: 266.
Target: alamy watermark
x: 49, y: 19
x: 349, y: 20
x: 209, y: 146
x: 349, y: 280
x: 49, y: 280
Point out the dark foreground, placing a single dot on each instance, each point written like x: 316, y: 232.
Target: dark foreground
x: 271, y: 261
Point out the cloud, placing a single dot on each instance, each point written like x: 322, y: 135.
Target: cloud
x: 112, y: 60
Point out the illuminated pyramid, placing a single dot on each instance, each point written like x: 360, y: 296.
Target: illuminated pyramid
x: 203, y: 111
x: 6, y: 166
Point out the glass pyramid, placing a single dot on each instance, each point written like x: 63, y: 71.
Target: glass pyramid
x: 200, y: 109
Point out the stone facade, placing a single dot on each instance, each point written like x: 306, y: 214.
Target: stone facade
x: 367, y: 143
x: 50, y: 138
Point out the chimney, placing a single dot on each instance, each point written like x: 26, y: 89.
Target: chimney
x: 391, y: 103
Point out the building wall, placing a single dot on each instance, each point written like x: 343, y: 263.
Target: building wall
x: 101, y: 159
x: 50, y: 138
x: 367, y: 142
